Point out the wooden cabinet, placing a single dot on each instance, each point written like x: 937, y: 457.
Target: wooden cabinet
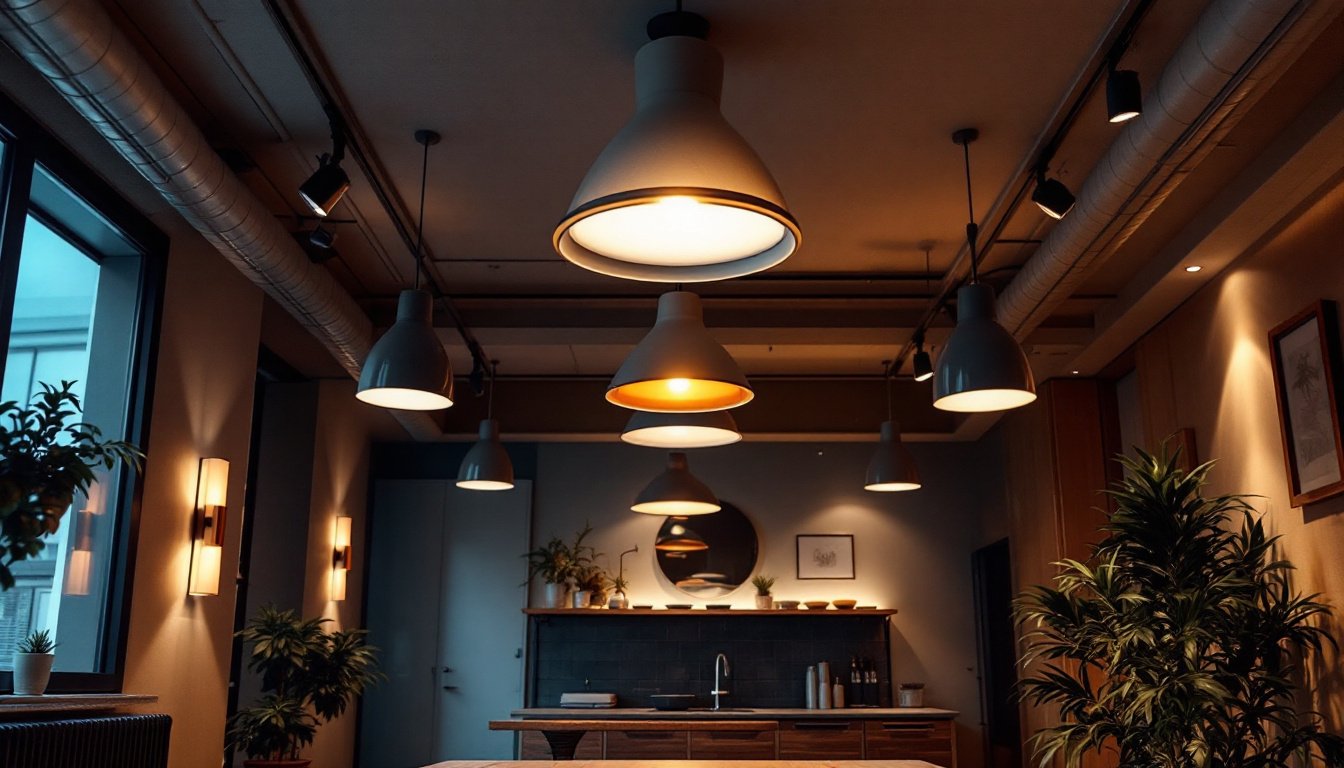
x: 733, y: 745
x: 821, y: 740
x: 533, y: 746
x: 929, y: 740
x: 648, y: 745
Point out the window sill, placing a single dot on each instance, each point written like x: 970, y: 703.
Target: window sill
x: 69, y: 702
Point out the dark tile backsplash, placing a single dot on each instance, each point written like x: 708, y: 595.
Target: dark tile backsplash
x: 635, y: 656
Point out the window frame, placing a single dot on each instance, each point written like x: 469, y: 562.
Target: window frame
x: 28, y: 144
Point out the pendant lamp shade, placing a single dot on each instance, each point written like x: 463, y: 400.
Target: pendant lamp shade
x: 681, y: 430
x: 679, y: 367
x: 679, y: 538
x: 676, y: 492
x: 486, y: 467
x: 408, y: 367
x: 892, y: 468
x: 678, y: 195
x: 982, y: 367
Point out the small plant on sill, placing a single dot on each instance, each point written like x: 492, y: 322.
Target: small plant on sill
x: 38, y: 642
x: 763, y: 584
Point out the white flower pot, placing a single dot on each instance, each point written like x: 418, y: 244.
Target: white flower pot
x: 765, y: 602
x: 32, y: 672
x: 581, y: 598
x: 553, y: 595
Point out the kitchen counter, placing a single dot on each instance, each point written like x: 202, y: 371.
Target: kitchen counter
x: 644, y: 713
x: 685, y: 764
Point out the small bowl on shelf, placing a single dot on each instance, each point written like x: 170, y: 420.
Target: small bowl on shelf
x: 787, y: 605
x: 817, y: 605
x: 845, y: 605
x: 719, y: 606
x: 679, y: 606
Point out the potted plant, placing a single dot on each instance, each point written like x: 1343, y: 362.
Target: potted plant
x: 558, y: 563
x: 32, y: 663
x: 308, y: 676
x: 593, y: 581
x: 763, y: 585
x: 43, y: 462
x: 618, y: 598
x: 1177, y: 642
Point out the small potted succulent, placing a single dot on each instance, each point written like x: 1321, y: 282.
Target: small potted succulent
x: 593, y: 581
x: 559, y: 565
x: 763, y: 585
x: 32, y: 663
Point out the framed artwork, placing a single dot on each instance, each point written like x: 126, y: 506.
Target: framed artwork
x: 1305, y: 353
x: 825, y: 556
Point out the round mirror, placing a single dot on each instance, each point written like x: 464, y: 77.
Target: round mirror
x: 708, y: 555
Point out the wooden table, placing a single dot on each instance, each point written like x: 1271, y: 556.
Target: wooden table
x: 565, y: 735
x: 685, y: 764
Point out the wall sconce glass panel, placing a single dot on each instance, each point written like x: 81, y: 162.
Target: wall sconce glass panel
x: 207, y: 547
x: 341, y: 558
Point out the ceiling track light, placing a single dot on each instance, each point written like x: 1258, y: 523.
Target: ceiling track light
x: 892, y: 467
x: 676, y: 492
x: 1051, y: 196
x: 982, y: 368
x: 677, y: 195
x: 487, y: 467
x: 328, y: 184
x: 679, y: 367
x: 681, y: 430
x: 408, y: 367
x: 1124, y: 95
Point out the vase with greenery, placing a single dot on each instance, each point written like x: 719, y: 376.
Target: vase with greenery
x: 45, y: 459
x: 763, y: 585
x: 1177, y: 642
x: 33, y: 657
x: 558, y: 563
x: 593, y: 580
x: 308, y: 677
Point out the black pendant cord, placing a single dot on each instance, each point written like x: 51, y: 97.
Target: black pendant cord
x: 420, y: 228
x: 972, y: 229
x: 886, y: 379
x: 490, y: 398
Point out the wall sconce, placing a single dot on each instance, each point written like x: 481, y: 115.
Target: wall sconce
x: 207, y: 531
x: 340, y: 561
x: 81, y: 555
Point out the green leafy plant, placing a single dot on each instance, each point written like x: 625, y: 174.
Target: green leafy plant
x: 38, y: 642
x: 43, y: 462
x: 763, y: 584
x: 308, y: 675
x: 593, y: 579
x: 1176, y: 642
x: 558, y: 562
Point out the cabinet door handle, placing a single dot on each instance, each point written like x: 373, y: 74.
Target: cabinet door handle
x: 908, y: 728
x: 651, y: 734
x: 814, y: 725
x: 733, y: 734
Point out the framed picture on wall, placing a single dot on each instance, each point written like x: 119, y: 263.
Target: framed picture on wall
x: 1305, y: 353
x: 825, y: 556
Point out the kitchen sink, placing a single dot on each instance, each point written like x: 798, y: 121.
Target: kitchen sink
x: 721, y: 709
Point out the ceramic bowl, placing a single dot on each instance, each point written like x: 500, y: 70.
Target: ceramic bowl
x: 844, y: 605
x: 786, y: 605
x: 817, y: 605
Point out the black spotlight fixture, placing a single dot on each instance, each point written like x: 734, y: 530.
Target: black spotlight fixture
x: 1051, y: 196
x: 328, y: 184
x: 923, y: 363
x: 1124, y: 97
x: 323, y: 236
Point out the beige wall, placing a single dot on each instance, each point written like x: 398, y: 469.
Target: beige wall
x: 1207, y: 367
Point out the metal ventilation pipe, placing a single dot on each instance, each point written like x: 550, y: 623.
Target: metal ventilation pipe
x: 1209, y: 75
x: 84, y: 55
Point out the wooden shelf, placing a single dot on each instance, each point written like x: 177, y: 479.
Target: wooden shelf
x: 705, y: 612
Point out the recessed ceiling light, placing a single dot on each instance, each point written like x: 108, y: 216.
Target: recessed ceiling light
x: 1075, y: 373
x: 1193, y: 268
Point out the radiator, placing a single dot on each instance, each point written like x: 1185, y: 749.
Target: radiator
x: 123, y: 741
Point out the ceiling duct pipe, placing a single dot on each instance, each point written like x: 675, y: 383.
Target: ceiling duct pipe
x: 1197, y: 98
x: 76, y: 46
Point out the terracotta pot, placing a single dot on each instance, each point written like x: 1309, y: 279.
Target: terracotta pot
x: 765, y: 602
x: 277, y: 763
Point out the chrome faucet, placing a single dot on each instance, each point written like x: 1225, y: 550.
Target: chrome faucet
x: 718, y: 689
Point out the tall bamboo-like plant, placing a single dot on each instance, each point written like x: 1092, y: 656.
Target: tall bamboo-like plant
x: 1176, y: 641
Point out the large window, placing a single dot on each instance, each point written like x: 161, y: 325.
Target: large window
x: 80, y: 279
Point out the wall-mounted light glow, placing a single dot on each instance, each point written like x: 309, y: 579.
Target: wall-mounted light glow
x: 341, y: 558
x: 207, y: 539
x: 79, y: 568
x: 1193, y: 268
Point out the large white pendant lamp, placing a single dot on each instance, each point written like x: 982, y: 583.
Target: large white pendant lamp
x: 681, y: 430
x: 678, y: 195
x: 676, y: 492
x: 982, y: 367
x: 892, y: 467
x: 679, y: 367
x: 487, y: 467
x: 408, y: 368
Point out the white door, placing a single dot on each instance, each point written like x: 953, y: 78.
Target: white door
x: 445, y: 606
